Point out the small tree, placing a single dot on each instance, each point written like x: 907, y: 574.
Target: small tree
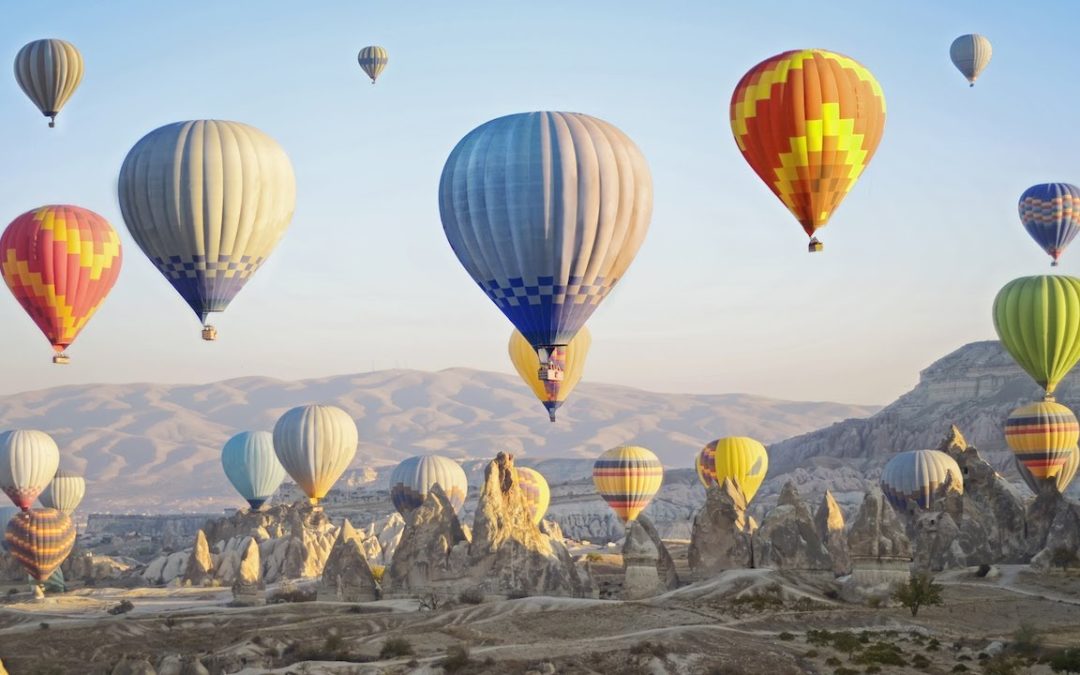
x: 1066, y: 661
x: 1064, y: 557
x: 918, y: 591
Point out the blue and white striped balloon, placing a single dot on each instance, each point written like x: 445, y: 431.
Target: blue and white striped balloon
x: 546, y: 211
x: 1050, y: 213
x: 252, y: 466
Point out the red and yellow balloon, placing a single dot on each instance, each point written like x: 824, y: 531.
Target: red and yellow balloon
x: 808, y: 122
x: 60, y: 262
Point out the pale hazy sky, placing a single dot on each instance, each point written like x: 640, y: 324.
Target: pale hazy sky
x: 722, y: 297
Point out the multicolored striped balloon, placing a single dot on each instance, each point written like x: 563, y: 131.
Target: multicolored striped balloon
x: 916, y: 475
x: 60, y: 262
x: 1038, y: 321
x: 1050, y: 212
x: 537, y: 492
x: 373, y: 60
x: 1062, y: 480
x: 1042, y: 435
x: 808, y: 122
x: 552, y: 393
x: 628, y: 477
x: 64, y: 492
x: 28, y: 461
x: 40, y: 540
x: 412, y: 480
x: 738, y: 457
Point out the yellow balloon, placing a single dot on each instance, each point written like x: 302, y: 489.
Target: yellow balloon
x: 551, y: 393
x: 537, y: 492
x: 738, y: 457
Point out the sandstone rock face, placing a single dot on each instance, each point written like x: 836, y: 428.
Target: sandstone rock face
x: 248, y: 587
x: 347, y: 577
x: 91, y: 568
x: 877, y: 533
x: 165, y: 569
x: 829, y: 523
x: 1063, y: 531
x: 665, y: 564
x: 421, y: 559
x: 721, y: 535
x: 788, y: 538
x: 508, y: 553
x: 133, y: 667
x: 937, y: 543
x: 200, y: 566
x: 640, y: 560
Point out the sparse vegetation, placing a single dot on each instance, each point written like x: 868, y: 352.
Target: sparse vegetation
x: 457, y: 659
x: 845, y: 671
x: 395, y: 647
x: 43, y: 626
x: 919, y: 591
x: 882, y: 653
x: 1064, y: 558
x: 593, y: 557
x: 786, y: 636
x: 471, y: 596
x: 933, y: 645
x: 766, y: 599
x: 1002, y: 664
x: 431, y: 601
x: 872, y: 669
x: 960, y: 668
x: 1026, y: 640
x: 1066, y: 661
x: 811, y: 654
x: 122, y: 607
x: 832, y: 661
x: 656, y: 649
x: 920, y: 661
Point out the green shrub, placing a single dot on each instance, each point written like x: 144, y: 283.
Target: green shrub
x: 845, y: 671
x: 786, y: 636
x: 920, y: 590
x: 960, y: 668
x: 1064, y: 557
x: 457, y: 659
x: 1026, y: 639
x: 1066, y: 661
x: 882, y: 653
x: 919, y: 661
x: 933, y: 645
x: 811, y: 654
x: 656, y: 649
x: 872, y: 669
x: 471, y: 596
x: 395, y: 647
x: 43, y: 626
x: 1002, y: 664
x: 123, y: 607
x: 832, y: 661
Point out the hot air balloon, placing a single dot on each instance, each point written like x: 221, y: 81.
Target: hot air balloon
x: 28, y: 461
x: 1043, y: 436
x: 40, y: 540
x: 917, y: 475
x: 552, y: 393
x: 537, y: 492
x: 64, y: 492
x: 1038, y: 321
x: 252, y: 466
x: 738, y: 457
x: 1061, y: 480
x: 315, y: 444
x: 60, y: 262
x: 808, y: 122
x: 207, y: 201
x: 373, y: 60
x: 970, y: 54
x: 627, y: 477
x: 546, y: 211
x: 1050, y: 213
x: 412, y: 479
x: 6, y: 514
x: 49, y: 71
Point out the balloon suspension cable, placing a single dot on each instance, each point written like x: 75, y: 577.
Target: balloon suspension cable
x: 52, y: 122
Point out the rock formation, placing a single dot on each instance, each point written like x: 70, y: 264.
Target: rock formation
x: 937, y: 543
x: 508, y: 554
x: 1062, y: 531
x: 829, y: 523
x: 877, y: 533
x: 347, y: 576
x: 721, y: 535
x: 128, y: 666
x: 200, y: 566
x: 248, y: 587
x: 665, y: 564
x: 788, y: 538
x: 422, y: 558
x: 641, y: 559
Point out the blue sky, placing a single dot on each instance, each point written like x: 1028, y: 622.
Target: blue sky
x: 722, y: 297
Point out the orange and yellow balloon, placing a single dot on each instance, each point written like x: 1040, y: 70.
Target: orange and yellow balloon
x: 60, y: 262
x: 808, y: 122
x: 628, y: 477
x: 552, y: 393
x: 1042, y: 435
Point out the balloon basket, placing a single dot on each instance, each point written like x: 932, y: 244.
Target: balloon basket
x: 61, y: 359
x: 815, y: 246
x: 209, y: 333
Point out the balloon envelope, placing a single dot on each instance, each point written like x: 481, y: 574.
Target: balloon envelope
x: 49, y: 71
x: 207, y: 201
x: 970, y: 54
x: 315, y: 444
x: 738, y: 457
x: 552, y: 393
x: 40, y: 540
x: 1038, y: 321
x: 628, y: 477
x: 537, y: 492
x: 1043, y: 436
x: 64, y: 492
x: 60, y: 262
x: 808, y: 122
x: 546, y: 211
x: 28, y: 461
x: 373, y: 60
x: 1050, y: 213
x: 1061, y: 480
x: 916, y: 475
x: 252, y: 466
x: 413, y: 479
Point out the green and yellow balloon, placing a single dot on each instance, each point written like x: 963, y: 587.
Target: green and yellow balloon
x: 1038, y: 321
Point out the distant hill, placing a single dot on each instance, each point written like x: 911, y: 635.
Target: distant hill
x: 155, y: 448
